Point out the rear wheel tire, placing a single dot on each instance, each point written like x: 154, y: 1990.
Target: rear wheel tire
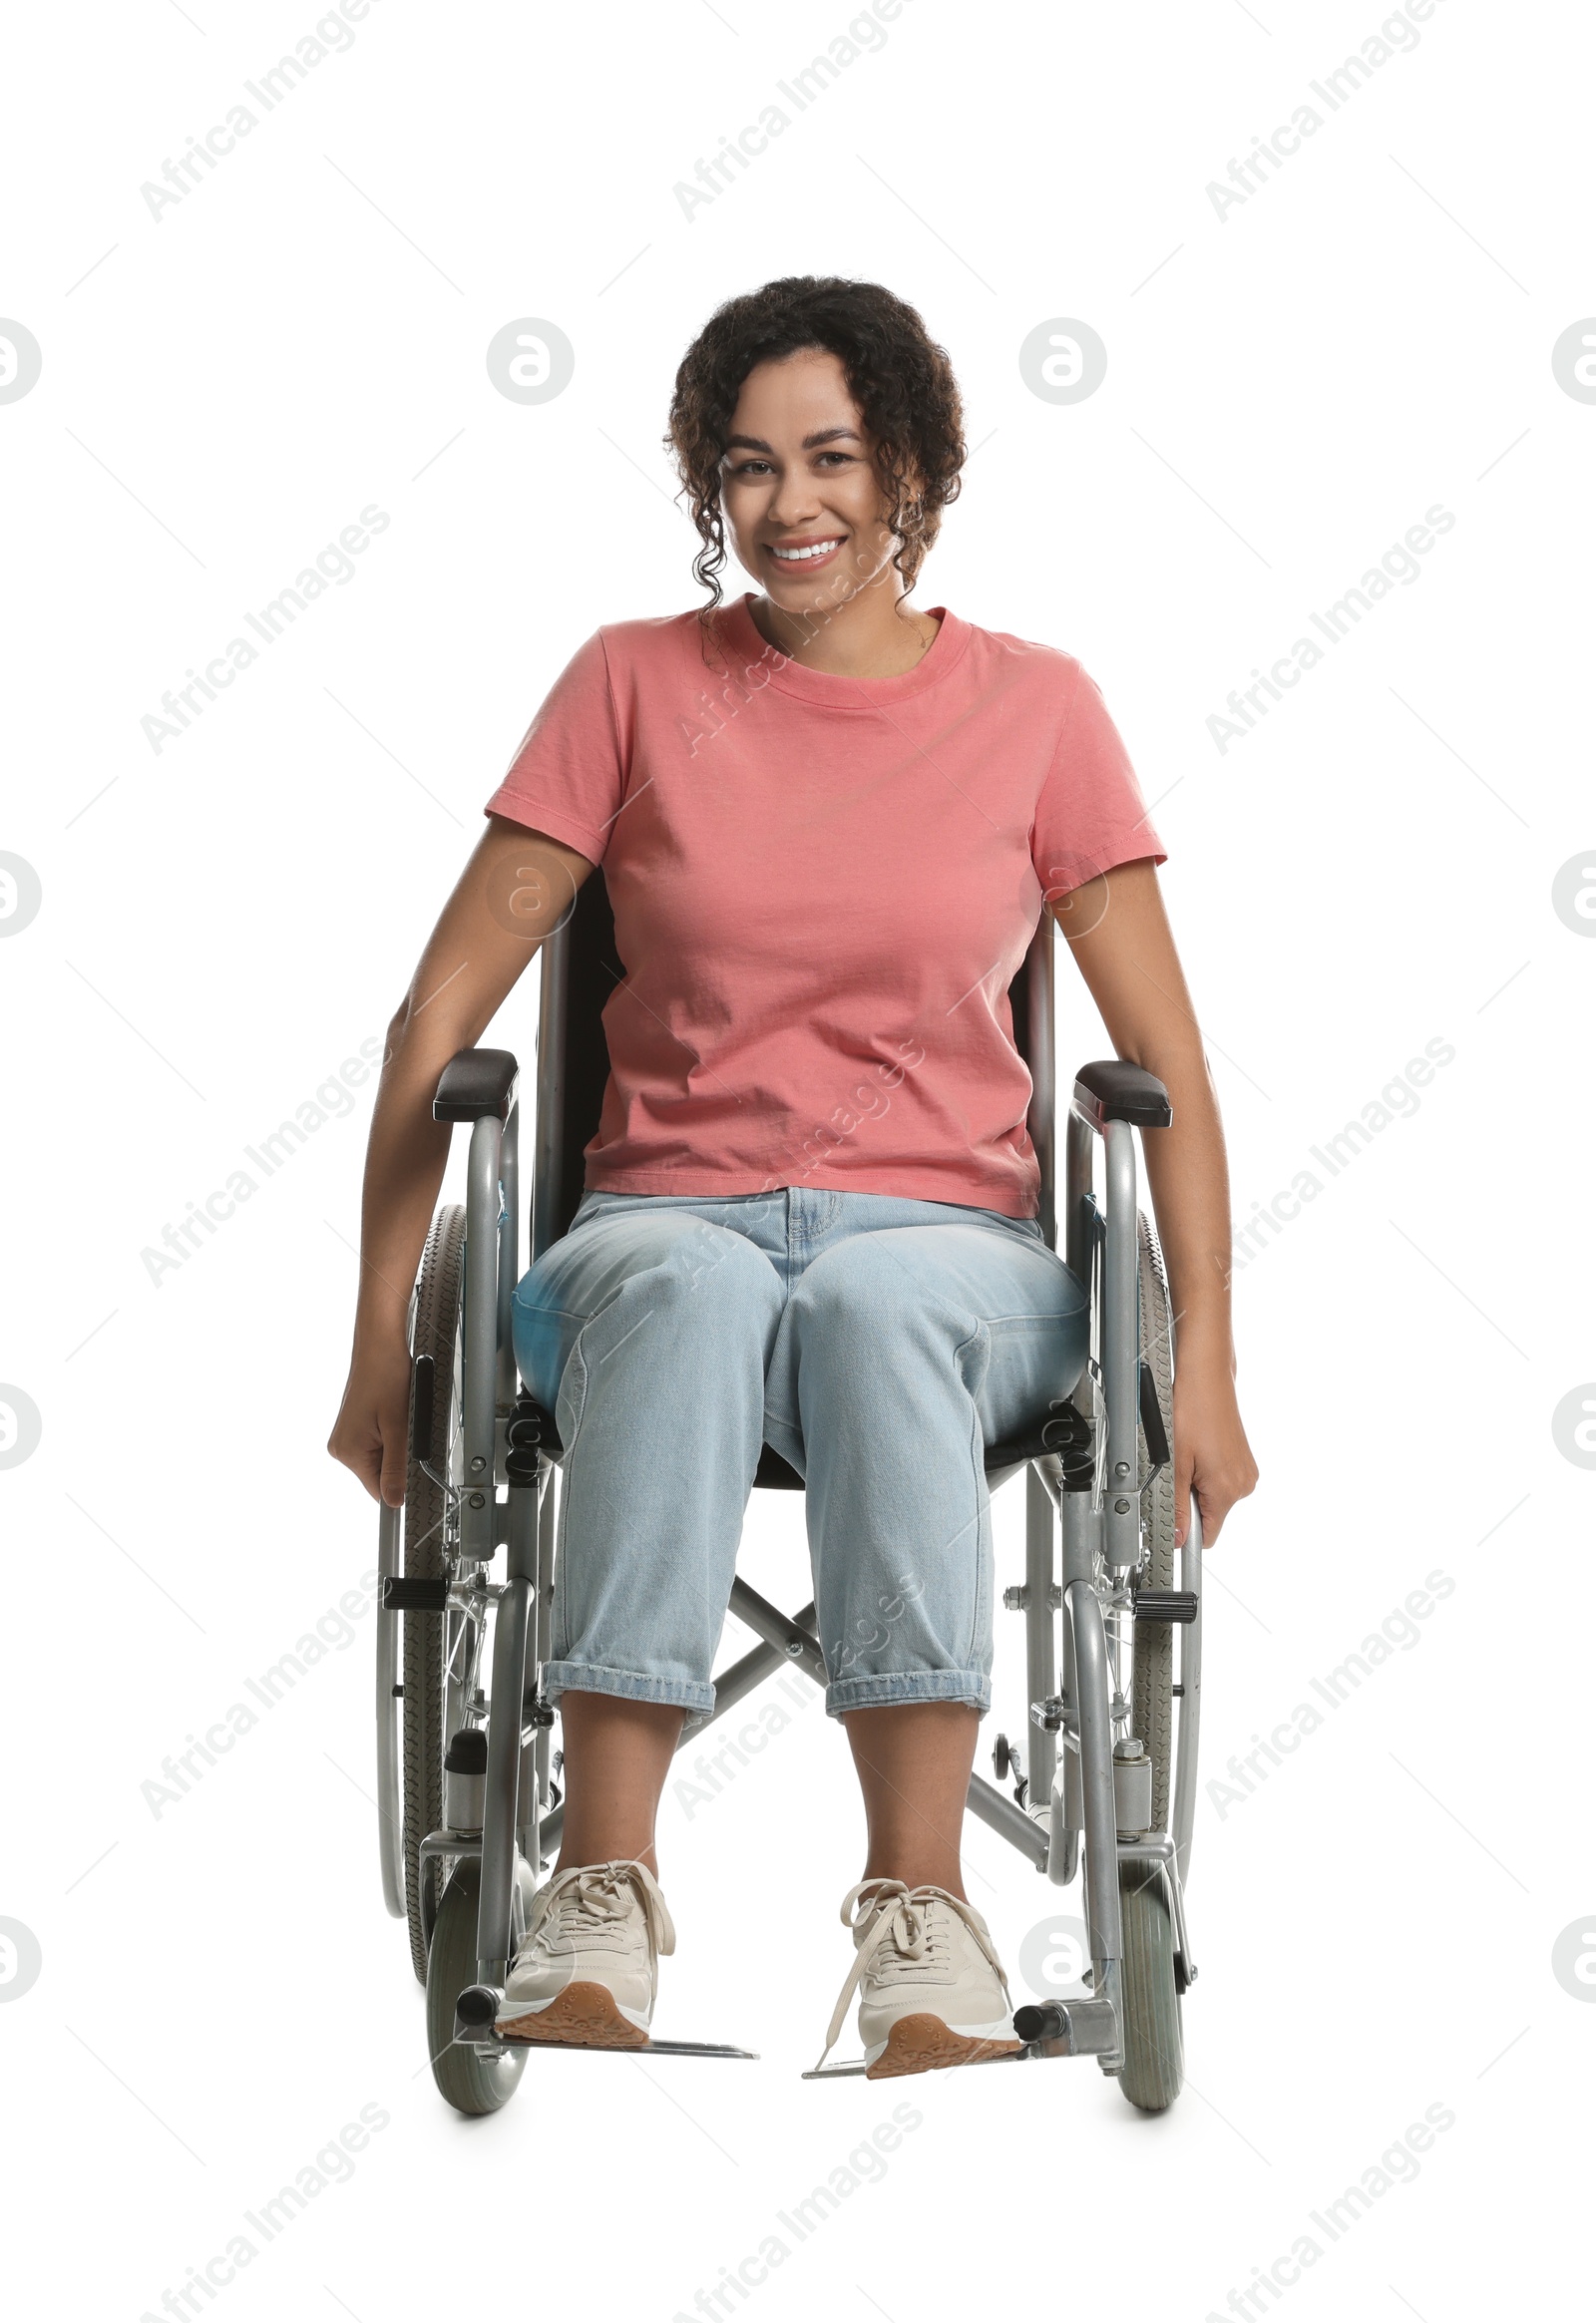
x: 471, y: 2084
x: 429, y: 1554
x: 1154, y: 2055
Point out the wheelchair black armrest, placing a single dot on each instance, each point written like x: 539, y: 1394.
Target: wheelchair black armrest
x: 1113, y: 1090
x: 476, y: 1082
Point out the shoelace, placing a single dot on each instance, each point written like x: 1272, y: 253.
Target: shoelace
x: 595, y: 1899
x: 902, y: 1915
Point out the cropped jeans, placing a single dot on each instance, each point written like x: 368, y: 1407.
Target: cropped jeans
x: 877, y: 1343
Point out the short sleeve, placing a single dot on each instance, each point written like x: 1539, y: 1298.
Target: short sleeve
x: 1091, y: 814
x: 567, y: 778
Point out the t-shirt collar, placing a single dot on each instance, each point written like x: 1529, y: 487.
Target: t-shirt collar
x: 947, y: 648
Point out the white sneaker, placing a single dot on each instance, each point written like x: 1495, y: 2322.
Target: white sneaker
x: 932, y: 1990
x: 588, y: 1970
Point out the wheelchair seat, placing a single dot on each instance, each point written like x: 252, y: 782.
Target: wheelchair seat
x: 1060, y: 1434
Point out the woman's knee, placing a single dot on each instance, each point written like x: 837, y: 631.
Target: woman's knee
x: 667, y: 1285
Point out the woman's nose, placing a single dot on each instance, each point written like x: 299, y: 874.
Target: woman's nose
x: 794, y: 501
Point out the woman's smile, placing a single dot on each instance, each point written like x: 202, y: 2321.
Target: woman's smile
x: 808, y: 554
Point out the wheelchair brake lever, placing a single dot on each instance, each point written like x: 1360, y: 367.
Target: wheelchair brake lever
x: 1152, y: 1420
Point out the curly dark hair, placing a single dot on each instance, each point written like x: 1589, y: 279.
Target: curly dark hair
x: 899, y: 378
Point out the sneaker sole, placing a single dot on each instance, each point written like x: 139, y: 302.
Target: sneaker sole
x: 586, y: 2015
x: 924, y: 2044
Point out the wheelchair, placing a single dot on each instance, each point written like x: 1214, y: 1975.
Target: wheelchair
x: 1106, y: 1779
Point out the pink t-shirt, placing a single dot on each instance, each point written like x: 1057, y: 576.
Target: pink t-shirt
x: 822, y: 887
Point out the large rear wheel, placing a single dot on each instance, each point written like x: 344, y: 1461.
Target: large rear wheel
x: 431, y: 1522
x: 1151, y: 2075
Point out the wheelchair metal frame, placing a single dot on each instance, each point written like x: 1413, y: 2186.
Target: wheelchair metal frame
x: 1078, y: 1619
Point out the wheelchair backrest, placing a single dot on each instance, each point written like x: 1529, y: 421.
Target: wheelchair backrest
x: 581, y: 968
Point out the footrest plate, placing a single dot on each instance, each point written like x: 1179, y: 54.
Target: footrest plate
x: 476, y: 2027
x: 649, y: 2047
x: 1075, y: 2028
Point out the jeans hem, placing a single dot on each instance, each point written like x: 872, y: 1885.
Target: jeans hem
x: 689, y: 1693
x: 970, y: 1687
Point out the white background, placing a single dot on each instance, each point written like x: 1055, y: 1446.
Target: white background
x: 1289, y: 389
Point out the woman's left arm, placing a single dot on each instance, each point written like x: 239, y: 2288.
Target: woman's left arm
x: 1118, y: 932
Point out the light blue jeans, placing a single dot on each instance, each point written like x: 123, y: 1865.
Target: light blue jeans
x: 877, y: 1343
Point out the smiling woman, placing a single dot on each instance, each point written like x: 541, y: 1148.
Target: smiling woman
x: 811, y: 1208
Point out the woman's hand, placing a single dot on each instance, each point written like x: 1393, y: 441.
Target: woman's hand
x: 1212, y: 1455
x: 370, y: 1434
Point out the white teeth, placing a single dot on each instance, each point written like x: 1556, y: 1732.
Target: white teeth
x: 800, y: 556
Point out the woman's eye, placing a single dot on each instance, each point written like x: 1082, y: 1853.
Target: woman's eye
x: 763, y: 467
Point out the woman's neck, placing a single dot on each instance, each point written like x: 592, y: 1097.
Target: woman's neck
x: 872, y: 633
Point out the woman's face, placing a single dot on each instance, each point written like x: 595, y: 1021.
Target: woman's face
x: 798, y: 476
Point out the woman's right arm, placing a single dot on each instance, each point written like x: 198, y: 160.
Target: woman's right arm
x: 516, y: 877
